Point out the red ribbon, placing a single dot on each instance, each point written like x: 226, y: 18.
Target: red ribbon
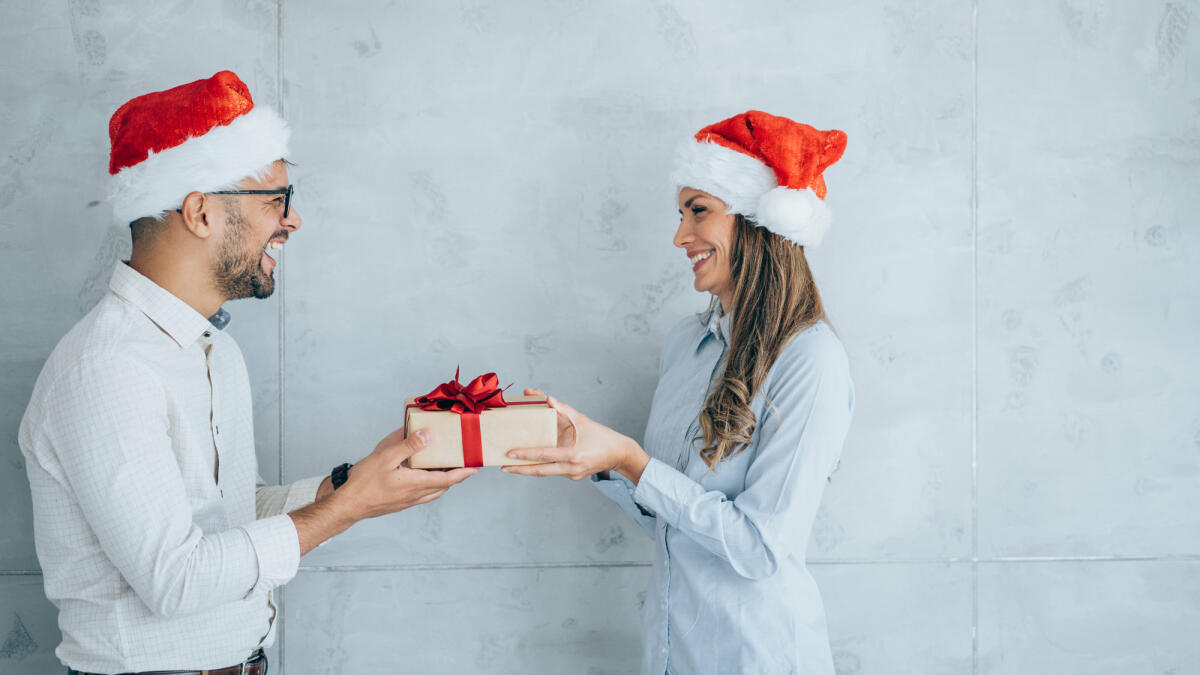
x: 467, y: 402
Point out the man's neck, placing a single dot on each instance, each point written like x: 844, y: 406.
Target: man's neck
x: 179, y: 279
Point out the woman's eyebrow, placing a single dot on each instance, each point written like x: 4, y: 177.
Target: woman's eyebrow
x: 689, y: 202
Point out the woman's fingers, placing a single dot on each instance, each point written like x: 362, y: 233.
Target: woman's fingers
x: 541, y: 454
x: 550, y: 469
x: 534, y: 392
x: 567, y: 411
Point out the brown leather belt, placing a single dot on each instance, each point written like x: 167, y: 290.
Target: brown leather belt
x: 255, y: 665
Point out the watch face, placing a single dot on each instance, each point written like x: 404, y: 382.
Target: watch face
x: 338, y: 475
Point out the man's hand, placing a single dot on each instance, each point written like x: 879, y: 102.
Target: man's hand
x: 379, y: 484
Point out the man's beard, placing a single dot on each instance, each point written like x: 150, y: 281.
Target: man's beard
x: 239, y: 271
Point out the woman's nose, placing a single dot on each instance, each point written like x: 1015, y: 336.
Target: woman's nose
x: 683, y: 234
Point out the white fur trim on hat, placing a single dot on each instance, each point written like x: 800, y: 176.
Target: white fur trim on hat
x: 218, y: 160
x: 799, y: 216
x: 735, y: 178
x: 749, y: 187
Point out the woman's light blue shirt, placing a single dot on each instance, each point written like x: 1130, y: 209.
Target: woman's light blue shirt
x: 729, y: 591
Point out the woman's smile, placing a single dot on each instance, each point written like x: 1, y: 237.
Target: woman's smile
x: 698, y: 258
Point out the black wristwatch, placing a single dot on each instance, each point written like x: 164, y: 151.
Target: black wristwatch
x: 339, y: 474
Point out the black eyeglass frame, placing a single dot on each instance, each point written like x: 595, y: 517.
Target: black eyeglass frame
x: 286, y: 192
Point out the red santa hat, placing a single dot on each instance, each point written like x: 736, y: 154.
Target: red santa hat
x: 766, y: 168
x: 202, y: 136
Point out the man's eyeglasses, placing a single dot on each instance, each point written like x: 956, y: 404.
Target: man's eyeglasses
x: 286, y: 192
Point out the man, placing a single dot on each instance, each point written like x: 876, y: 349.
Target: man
x: 158, y: 544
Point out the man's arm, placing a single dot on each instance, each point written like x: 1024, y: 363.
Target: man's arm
x: 274, y: 500
x: 111, y: 435
x: 377, y: 485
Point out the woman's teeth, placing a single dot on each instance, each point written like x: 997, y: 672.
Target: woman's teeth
x: 700, y: 256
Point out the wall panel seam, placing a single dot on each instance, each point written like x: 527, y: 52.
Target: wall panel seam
x: 812, y: 563
x: 282, y: 614
x: 975, y: 339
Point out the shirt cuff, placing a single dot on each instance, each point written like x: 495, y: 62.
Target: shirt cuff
x: 302, y: 493
x: 664, y: 490
x: 277, y: 549
x: 620, y: 491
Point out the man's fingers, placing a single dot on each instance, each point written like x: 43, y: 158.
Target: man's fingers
x: 534, y: 392
x: 431, y: 496
x: 455, y: 476
x: 541, y: 454
x: 411, y: 445
x: 437, y: 479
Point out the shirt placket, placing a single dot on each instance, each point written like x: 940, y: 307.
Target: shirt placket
x: 692, y: 429
x: 218, y: 445
x: 213, y: 407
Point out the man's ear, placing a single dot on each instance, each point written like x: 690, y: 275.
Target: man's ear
x: 195, y: 212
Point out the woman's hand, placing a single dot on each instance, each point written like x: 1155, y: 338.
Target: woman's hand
x: 584, y: 448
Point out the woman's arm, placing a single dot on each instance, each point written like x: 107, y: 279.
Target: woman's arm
x: 810, y: 400
x: 587, y: 449
x: 620, y: 490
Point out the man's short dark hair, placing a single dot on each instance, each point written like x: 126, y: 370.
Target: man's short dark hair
x: 146, y: 229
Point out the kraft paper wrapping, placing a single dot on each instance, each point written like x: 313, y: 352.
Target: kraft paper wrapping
x: 500, y: 430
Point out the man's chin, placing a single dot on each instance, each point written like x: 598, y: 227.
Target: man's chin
x: 265, y: 286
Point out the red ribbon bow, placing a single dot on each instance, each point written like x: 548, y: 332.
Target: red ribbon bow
x: 467, y: 402
x: 480, y: 394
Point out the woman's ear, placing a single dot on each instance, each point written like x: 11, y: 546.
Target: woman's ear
x: 195, y: 214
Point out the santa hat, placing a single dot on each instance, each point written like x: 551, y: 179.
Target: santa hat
x: 766, y: 168
x: 203, y: 136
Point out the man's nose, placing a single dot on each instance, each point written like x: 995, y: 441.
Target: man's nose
x: 293, y: 220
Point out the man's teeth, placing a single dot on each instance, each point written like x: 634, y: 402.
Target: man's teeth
x: 275, y: 245
x: 700, y: 256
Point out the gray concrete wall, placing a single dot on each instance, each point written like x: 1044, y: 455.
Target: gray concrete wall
x: 1012, y: 270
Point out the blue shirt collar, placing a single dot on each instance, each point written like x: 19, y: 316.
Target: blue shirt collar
x: 716, y: 324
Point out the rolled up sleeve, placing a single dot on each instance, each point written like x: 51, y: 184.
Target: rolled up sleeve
x: 273, y: 500
x: 276, y: 549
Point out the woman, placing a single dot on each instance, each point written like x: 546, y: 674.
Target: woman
x: 748, y: 419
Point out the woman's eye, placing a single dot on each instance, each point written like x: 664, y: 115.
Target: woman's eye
x: 697, y: 210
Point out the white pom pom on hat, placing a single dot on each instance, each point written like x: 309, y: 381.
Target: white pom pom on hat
x: 767, y: 168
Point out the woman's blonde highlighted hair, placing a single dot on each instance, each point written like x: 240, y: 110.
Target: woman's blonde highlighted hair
x: 774, y: 298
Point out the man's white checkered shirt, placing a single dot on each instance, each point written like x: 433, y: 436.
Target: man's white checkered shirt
x: 158, y: 542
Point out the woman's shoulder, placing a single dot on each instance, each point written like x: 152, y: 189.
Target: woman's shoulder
x: 814, y: 351
x: 687, y: 331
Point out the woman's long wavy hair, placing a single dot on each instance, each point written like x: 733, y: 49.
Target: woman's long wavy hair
x: 774, y: 298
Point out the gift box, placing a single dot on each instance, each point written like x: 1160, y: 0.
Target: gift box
x: 474, y: 425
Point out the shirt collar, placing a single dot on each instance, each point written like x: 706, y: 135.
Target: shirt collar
x: 716, y: 324
x: 174, y: 316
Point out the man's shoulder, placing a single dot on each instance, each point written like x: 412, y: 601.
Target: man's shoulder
x: 94, y: 349
x: 108, y: 336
